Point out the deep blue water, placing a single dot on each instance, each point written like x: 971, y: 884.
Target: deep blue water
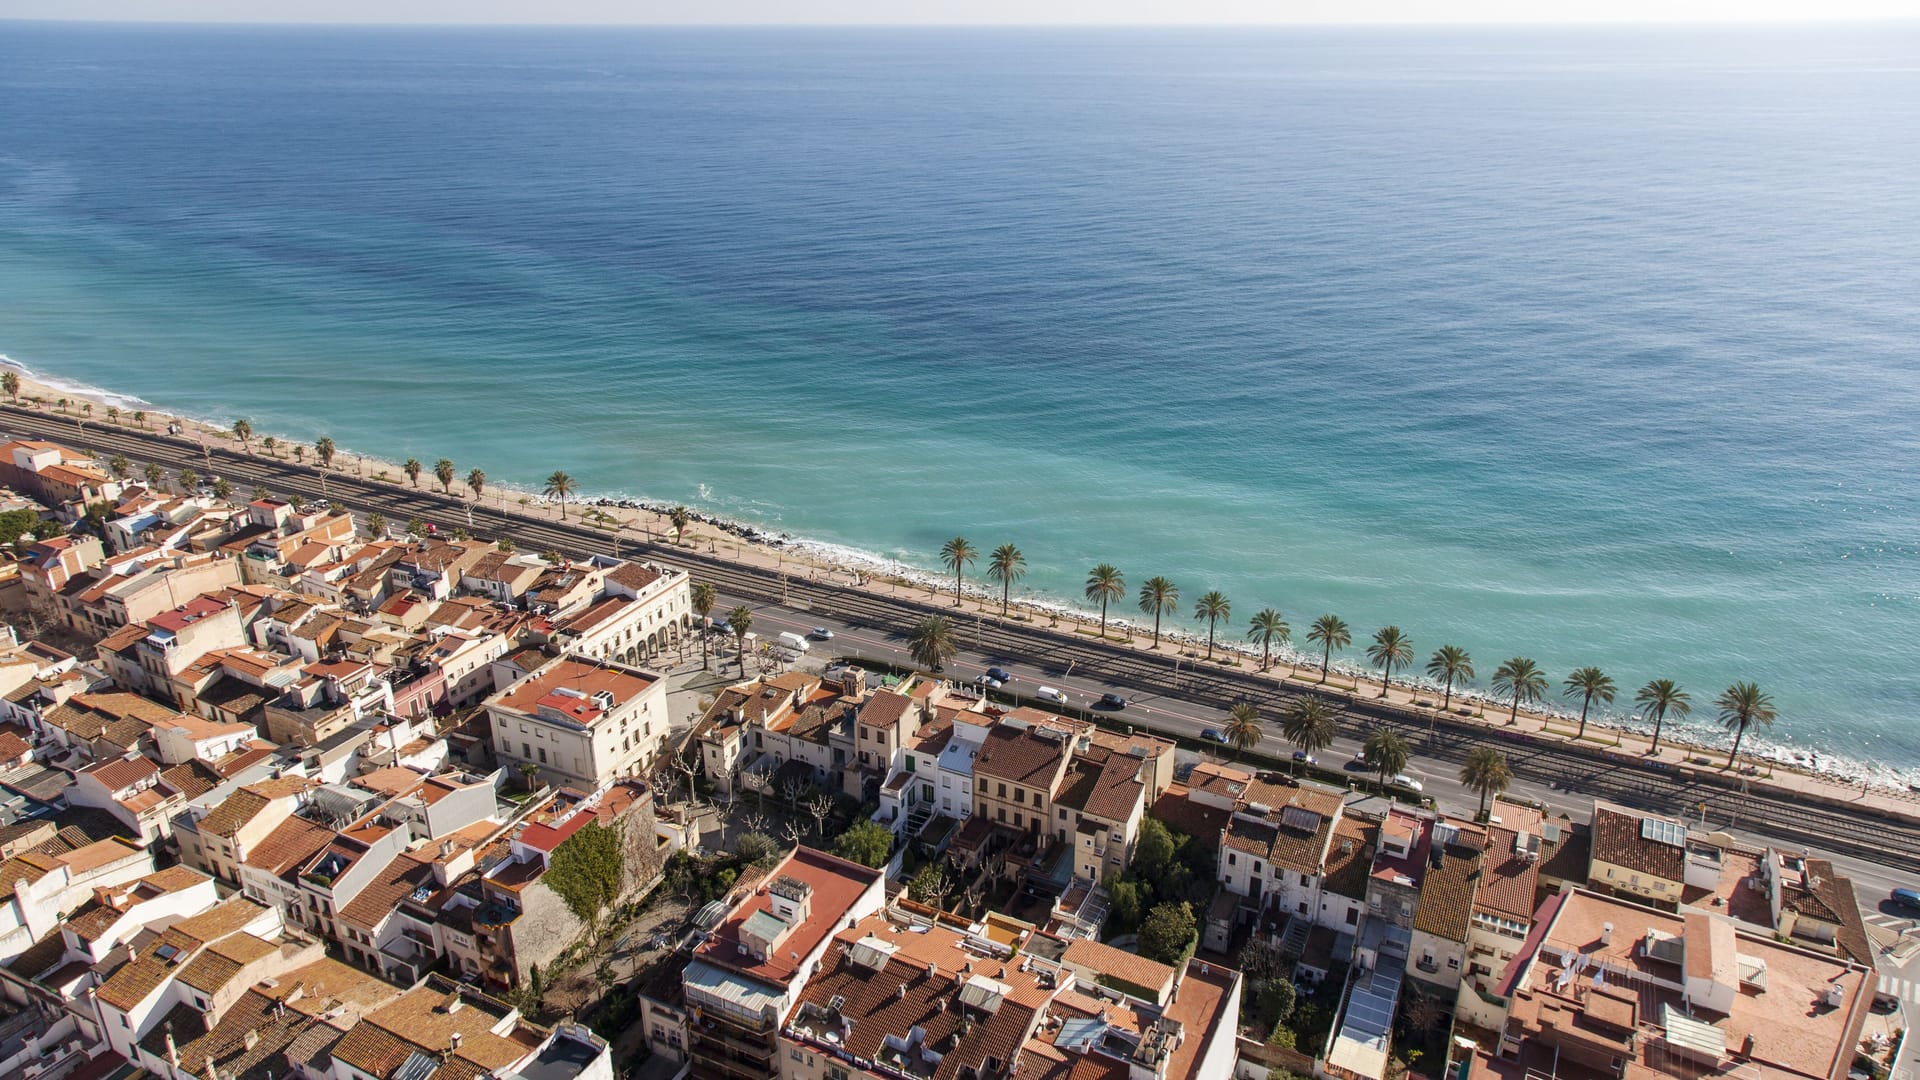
x: 1597, y: 347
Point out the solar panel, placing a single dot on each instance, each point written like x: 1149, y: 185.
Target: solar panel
x: 1670, y: 833
x: 870, y: 953
x: 1300, y: 819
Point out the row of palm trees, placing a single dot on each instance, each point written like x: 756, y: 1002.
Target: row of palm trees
x: 1520, y: 680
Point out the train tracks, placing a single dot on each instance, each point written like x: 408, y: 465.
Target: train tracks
x: 1774, y: 815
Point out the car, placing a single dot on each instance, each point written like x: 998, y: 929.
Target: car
x: 1213, y: 735
x: 1885, y: 1003
x: 1302, y: 755
x: 820, y: 633
x: 1907, y: 898
x: 1048, y: 693
x: 989, y: 682
x: 1408, y: 782
x: 1111, y: 701
x: 1000, y: 674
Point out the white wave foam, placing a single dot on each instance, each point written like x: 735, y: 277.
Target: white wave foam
x: 77, y: 388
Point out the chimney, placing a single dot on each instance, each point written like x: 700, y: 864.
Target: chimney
x: 454, y: 1040
x: 173, y: 1052
x: 213, y: 1071
x: 1606, y: 933
x: 131, y: 955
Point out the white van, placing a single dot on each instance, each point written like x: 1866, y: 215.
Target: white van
x: 1048, y: 693
x: 793, y: 641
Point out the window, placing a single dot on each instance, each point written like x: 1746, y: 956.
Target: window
x: 1002, y: 813
x: 981, y: 809
x: 1305, y: 881
x: 543, y: 755
x: 1256, y: 866
x: 1003, y: 791
x: 909, y: 762
x: 1453, y: 962
x: 1017, y: 823
x: 983, y: 783
x: 926, y: 792
x: 1063, y: 813
x: 1231, y: 860
x: 1019, y: 796
x: 526, y: 750
x: 1353, y: 916
x: 864, y: 733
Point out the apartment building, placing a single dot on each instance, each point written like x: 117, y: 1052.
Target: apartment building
x: 581, y: 723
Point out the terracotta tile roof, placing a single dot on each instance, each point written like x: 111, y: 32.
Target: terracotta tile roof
x: 1445, y: 909
x: 1508, y: 879
x: 1177, y: 811
x: 421, y: 1019
x: 233, y: 813
x: 836, y: 884
x: 121, y: 773
x: 1350, y: 858
x: 1568, y: 857
x: 192, y: 779
x: 98, y: 854
x: 291, y: 843
x: 379, y: 897
x: 635, y: 576
x: 1830, y: 898
x: 1117, y: 790
x: 1107, y: 960
x: 1018, y: 754
x: 216, y: 966
x: 372, y: 1049
x: 1617, y: 840
x: 884, y: 708
x: 574, y: 675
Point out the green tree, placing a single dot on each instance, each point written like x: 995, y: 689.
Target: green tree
x: 932, y: 642
x: 1450, y: 664
x: 930, y: 885
x: 119, y: 466
x: 1167, y: 931
x: 1310, y: 724
x: 1742, y: 706
x: 476, y: 482
x: 243, y: 431
x: 10, y: 382
x: 413, y: 469
x: 1276, y: 1003
x: 1124, y: 905
x: 536, y: 988
x: 377, y: 525
x: 443, y: 472
x: 1487, y: 772
x: 154, y: 474
x: 1387, y: 754
x: 269, y: 444
x: 1154, y: 850
x: 505, y: 545
x: 1521, y: 680
x: 1329, y: 632
x: 1105, y: 584
x: 1390, y: 649
x: 113, y: 415
x: 1243, y: 729
x: 1660, y: 699
x: 189, y: 480
x: 324, y: 451
x: 681, y: 517
x: 1158, y: 597
x: 956, y: 555
x: 1591, y: 684
x: 703, y: 597
x: 866, y: 843
x: 17, y: 523
x: 416, y: 527
x: 739, y: 622
x: 1266, y: 629
x: 299, y: 453
x: 754, y: 847
x: 1006, y: 565
x: 222, y: 489
x: 587, y: 870
x: 140, y: 417
x: 559, y: 486
x: 1214, y: 608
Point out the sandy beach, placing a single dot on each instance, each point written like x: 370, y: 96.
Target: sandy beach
x: 814, y: 561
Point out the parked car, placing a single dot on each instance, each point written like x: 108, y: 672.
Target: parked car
x: 989, y: 682
x: 1302, y: 755
x: 820, y: 633
x: 1907, y: 898
x: 1111, y: 701
x: 1213, y: 735
x: 1408, y: 782
x: 1048, y: 693
x: 1000, y: 675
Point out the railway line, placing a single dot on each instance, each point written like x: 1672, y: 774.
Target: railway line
x: 1786, y: 818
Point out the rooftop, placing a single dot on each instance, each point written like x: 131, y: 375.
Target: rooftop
x: 835, y: 883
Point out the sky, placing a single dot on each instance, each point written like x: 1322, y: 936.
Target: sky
x: 974, y: 12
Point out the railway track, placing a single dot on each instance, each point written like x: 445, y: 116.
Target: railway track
x: 1777, y: 816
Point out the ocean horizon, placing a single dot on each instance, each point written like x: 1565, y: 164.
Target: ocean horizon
x: 1593, y: 346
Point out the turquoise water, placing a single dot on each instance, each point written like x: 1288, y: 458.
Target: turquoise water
x: 1593, y: 347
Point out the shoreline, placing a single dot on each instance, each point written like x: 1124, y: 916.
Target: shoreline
x: 862, y: 569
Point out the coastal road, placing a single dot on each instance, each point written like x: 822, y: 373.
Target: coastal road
x: 1170, y: 695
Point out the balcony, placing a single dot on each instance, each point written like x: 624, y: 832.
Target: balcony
x: 718, y: 1040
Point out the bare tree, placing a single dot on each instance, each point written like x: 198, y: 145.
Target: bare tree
x: 793, y: 789
x: 819, y: 808
x: 754, y: 821
x: 793, y: 831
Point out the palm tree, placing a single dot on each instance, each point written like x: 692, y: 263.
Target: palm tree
x: 222, y: 489
x: 1213, y: 607
x: 260, y: 493
x: 1268, y: 627
x: 1243, y: 727
x: 1310, y: 724
x: 1521, y: 680
x: 1486, y: 771
x: 1590, y: 683
x: 1158, y: 597
x: 476, y: 482
x: 119, y: 466
x: 1659, y: 698
x: 931, y: 642
x: 268, y: 444
x: 1387, y: 753
x: 443, y: 472
x: 10, y: 382
x: 739, y: 621
x: 681, y: 517
x: 243, y: 431
x: 1105, y: 584
x: 1450, y: 663
x: 299, y: 453
x: 1330, y: 632
x: 377, y: 525
x: 413, y: 469
x: 324, y: 450
x: 188, y: 480
x: 1743, y: 705
x: 1389, y: 647
x: 957, y: 554
x: 140, y: 417
x: 154, y: 474
x: 113, y: 415
x: 559, y: 486
x: 1006, y: 565
x: 703, y: 598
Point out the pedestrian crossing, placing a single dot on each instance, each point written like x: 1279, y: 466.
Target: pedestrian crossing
x: 1906, y: 991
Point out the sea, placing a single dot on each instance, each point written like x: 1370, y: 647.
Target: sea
x: 1595, y: 346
